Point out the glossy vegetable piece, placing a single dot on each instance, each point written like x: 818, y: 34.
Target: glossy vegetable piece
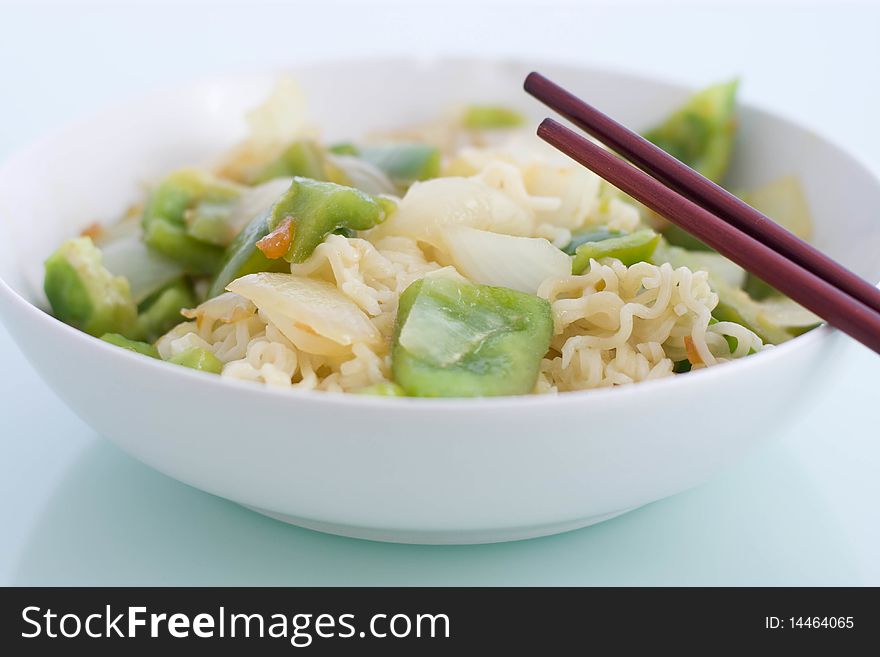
x: 144, y: 348
x: 590, y: 235
x: 317, y: 209
x: 160, y: 313
x: 700, y: 133
x: 629, y: 249
x: 305, y: 158
x: 773, y: 320
x: 365, y: 175
x: 198, y: 359
x: 196, y: 257
x: 312, y: 314
x: 457, y: 339
x: 490, y: 117
x: 242, y: 257
x: 164, y: 219
x: 721, y: 270
x: 404, y: 163
x: 518, y: 263
x: 220, y: 222
x: 84, y: 294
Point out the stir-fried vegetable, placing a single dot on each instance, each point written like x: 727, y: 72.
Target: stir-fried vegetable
x: 305, y: 158
x: 404, y: 163
x: 197, y: 257
x: 145, y: 269
x: 590, y: 235
x: 628, y: 249
x: 161, y: 312
x: 431, y: 207
x: 136, y: 346
x: 700, y: 133
x: 242, y: 257
x: 183, y: 193
x: 518, y: 263
x: 198, y: 359
x: 316, y: 209
x: 312, y: 314
x: 457, y: 339
x: 84, y: 294
x: 774, y: 321
x: 719, y: 268
x: 220, y: 222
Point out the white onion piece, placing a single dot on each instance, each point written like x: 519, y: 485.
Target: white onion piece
x: 363, y: 175
x: 429, y: 208
x: 314, y: 315
x: 518, y: 263
x: 146, y: 270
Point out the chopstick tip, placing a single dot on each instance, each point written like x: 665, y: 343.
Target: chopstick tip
x: 531, y: 80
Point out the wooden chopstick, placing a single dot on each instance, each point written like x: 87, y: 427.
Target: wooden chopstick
x: 835, y: 306
x: 699, y: 189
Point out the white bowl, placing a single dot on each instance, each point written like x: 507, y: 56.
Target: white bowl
x: 409, y: 470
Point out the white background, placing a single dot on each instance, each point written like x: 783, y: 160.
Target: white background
x: 803, y: 510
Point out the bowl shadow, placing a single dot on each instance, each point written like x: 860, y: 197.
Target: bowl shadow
x: 113, y: 521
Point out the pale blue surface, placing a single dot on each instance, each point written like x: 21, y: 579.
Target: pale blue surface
x: 803, y: 510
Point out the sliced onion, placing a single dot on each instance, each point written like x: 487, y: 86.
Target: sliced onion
x: 312, y: 314
x: 146, y: 270
x: 429, y: 208
x: 518, y: 263
x: 363, y: 175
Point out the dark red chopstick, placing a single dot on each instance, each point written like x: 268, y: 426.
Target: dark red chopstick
x: 838, y: 308
x: 698, y: 189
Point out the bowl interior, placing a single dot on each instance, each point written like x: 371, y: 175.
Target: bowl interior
x: 92, y: 170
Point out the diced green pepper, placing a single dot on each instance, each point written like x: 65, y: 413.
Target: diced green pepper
x: 198, y: 359
x: 208, y: 221
x: 491, y: 117
x: 682, y: 366
x: 457, y: 339
x: 161, y: 312
x: 182, y: 194
x: 700, y: 133
x: 84, y: 294
x: 629, y: 249
x: 184, y: 189
x: 383, y: 390
x: 404, y: 163
x: 243, y: 257
x: 304, y: 158
x: 316, y: 209
x: 735, y: 305
x: 144, y: 348
x: 591, y: 235
x: 197, y: 257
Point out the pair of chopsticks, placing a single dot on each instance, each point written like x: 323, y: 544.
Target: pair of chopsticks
x: 711, y: 214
